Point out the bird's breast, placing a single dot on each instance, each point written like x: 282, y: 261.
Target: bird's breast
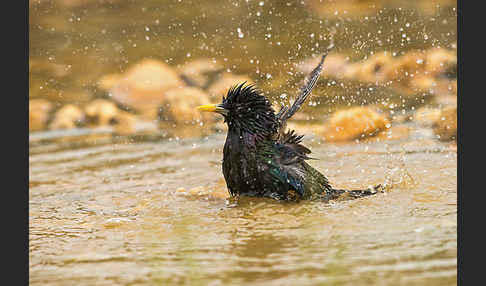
x: 240, y: 168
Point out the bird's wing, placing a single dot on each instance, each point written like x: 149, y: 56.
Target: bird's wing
x: 285, y: 112
x: 292, y: 147
x: 285, y: 166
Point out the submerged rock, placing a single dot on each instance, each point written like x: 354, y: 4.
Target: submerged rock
x: 404, y: 68
x: 179, y: 106
x: 427, y: 116
x: 446, y: 100
x: 125, y: 123
x: 446, y: 125
x: 354, y: 123
x: 337, y: 66
x: 101, y: 112
x: 423, y: 82
x: 143, y: 85
x: 371, y: 70
x: 441, y: 62
x: 224, y: 82
x: 108, y: 81
x: 393, y: 133
x: 433, y: 71
x: 200, y: 72
x: 67, y: 117
x: 39, y: 113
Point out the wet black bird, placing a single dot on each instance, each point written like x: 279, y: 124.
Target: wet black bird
x: 260, y: 157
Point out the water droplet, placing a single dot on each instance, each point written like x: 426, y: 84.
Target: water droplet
x: 240, y: 34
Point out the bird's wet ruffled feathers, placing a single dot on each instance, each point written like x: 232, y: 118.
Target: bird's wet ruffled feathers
x: 260, y: 157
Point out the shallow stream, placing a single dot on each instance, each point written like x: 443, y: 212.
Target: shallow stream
x: 156, y: 212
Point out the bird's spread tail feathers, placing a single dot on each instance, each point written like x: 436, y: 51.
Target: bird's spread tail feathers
x: 354, y: 194
x: 285, y: 113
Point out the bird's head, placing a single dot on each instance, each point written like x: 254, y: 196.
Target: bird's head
x: 245, y: 108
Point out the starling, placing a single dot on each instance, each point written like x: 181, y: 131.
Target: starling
x: 263, y: 159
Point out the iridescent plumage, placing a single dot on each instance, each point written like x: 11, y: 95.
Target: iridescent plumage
x: 261, y: 157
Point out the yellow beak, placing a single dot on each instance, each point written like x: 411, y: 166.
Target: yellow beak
x: 212, y: 108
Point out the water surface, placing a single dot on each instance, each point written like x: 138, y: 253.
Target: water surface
x: 156, y: 212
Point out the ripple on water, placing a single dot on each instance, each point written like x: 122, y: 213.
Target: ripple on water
x: 146, y: 213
